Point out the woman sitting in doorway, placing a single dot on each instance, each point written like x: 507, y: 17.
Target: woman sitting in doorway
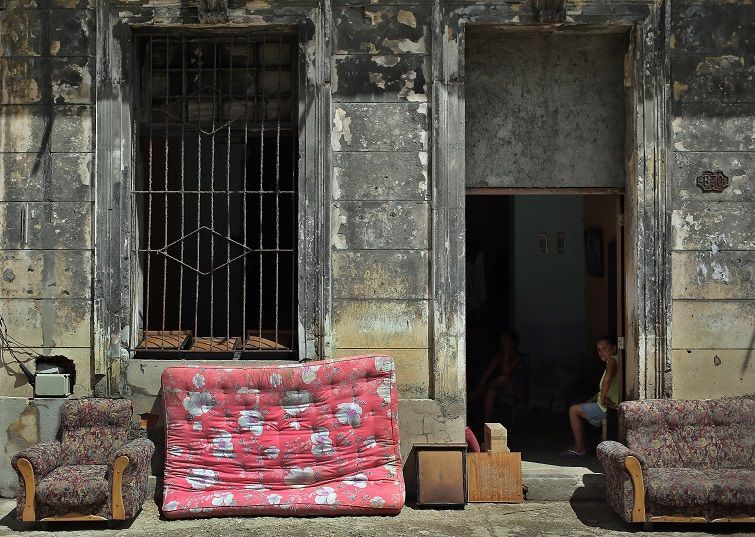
x: 499, y: 376
x: 594, y: 410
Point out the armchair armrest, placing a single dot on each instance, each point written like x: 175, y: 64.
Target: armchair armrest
x: 130, y: 464
x: 622, y: 467
x: 32, y: 464
x: 43, y: 457
x: 139, y: 454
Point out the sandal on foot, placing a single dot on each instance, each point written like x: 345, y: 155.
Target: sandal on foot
x: 571, y: 454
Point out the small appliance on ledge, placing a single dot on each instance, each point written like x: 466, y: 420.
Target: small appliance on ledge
x: 54, y: 376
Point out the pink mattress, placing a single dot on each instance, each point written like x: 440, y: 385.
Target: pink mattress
x: 318, y: 438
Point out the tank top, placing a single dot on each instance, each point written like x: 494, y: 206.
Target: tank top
x: 613, y: 389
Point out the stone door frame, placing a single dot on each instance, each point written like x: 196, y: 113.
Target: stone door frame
x: 647, y: 214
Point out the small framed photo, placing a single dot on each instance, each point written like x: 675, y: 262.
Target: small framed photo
x: 542, y: 243
x: 561, y: 243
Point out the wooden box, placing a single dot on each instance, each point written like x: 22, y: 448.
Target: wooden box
x: 496, y: 438
x: 494, y: 477
x: 440, y: 474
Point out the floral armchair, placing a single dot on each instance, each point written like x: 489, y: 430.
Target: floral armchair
x: 96, y: 471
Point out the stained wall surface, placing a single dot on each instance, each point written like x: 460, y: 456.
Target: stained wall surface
x: 544, y: 108
x: 713, y: 234
x: 46, y: 170
x: 381, y: 191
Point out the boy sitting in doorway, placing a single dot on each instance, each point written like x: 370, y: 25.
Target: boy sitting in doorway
x: 499, y: 375
x: 594, y: 410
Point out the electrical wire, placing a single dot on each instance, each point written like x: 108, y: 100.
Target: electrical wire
x: 5, y: 345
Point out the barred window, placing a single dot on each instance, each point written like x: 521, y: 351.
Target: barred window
x: 215, y: 195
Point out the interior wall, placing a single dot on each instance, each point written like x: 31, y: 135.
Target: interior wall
x: 549, y: 295
x: 599, y: 213
x: 544, y: 109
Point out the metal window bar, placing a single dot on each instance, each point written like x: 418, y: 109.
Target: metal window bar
x: 205, y: 94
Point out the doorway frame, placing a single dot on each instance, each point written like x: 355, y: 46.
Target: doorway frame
x: 647, y: 217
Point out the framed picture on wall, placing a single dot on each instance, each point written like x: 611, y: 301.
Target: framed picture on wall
x: 542, y: 243
x: 594, y: 252
x: 561, y: 243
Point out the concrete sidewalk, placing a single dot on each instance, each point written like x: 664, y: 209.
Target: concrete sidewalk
x: 478, y: 520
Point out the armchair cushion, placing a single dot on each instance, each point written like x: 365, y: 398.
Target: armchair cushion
x: 93, y: 429
x: 74, y: 486
x: 44, y: 458
x: 691, y: 487
x: 139, y: 453
x: 614, y: 453
x: 691, y: 434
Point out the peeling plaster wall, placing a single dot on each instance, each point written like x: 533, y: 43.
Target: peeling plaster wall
x: 381, y: 196
x: 544, y: 109
x: 24, y: 423
x: 382, y: 208
x: 46, y: 167
x: 713, y: 235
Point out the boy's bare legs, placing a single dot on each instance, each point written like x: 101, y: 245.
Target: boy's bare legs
x: 577, y: 421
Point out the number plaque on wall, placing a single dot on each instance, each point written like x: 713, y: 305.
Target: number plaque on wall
x: 712, y: 181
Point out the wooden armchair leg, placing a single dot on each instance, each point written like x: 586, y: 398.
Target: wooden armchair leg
x: 24, y: 466
x: 117, y: 507
x: 634, y: 468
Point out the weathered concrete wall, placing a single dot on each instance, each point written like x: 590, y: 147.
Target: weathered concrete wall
x: 46, y: 160
x: 544, y: 108
x: 713, y: 126
x: 381, y: 209
x: 23, y: 423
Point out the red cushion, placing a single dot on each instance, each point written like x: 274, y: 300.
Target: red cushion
x: 317, y: 438
x: 473, y: 446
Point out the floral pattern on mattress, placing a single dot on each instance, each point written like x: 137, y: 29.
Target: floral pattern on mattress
x: 307, y: 439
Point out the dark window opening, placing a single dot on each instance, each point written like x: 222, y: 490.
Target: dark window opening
x: 216, y: 195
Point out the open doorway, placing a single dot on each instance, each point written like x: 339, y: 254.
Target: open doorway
x: 545, y: 271
x: 548, y: 145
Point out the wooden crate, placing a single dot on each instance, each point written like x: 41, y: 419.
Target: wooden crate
x: 494, y: 477
x: 268, y: 339
x: 440, y: 474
